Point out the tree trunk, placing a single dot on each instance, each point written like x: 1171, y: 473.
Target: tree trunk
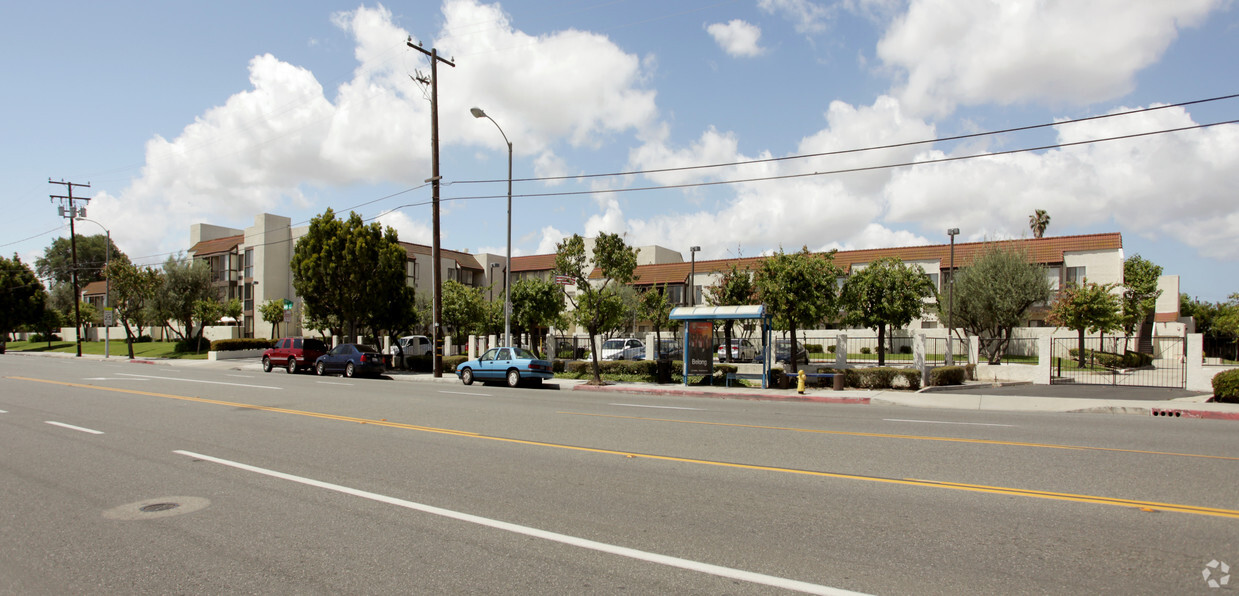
x: 1080, y: 349
x: 727, y: 340
x: 791, y: 355
x: 881, y: 344
x: 129, y: 337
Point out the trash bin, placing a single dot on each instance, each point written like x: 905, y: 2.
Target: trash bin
x: 664, y: 371
x: 838, y: 379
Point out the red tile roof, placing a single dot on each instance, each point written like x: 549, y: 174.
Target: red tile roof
x: 533, y: 263
x: 216, y: 246
x: 95, y: 288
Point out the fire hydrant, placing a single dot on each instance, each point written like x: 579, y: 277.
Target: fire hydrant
x: 800, y: 381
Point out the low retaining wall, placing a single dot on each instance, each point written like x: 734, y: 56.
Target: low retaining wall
x: 234, y: 354
x: 1007, y: 373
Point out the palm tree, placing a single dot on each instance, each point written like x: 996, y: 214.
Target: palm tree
x: 1039, y: 221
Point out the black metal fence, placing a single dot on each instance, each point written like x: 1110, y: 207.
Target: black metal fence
x: 1113, y: 361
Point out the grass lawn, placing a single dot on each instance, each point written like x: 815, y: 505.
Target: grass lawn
x: 150, y: 349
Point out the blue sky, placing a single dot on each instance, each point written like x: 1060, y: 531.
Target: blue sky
x: 179, y: 113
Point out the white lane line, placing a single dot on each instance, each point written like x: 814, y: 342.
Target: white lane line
x: 71, y: 427
x: 945, y: 422
x: 241, y: 376
x: 200, y: 381
x: 464, y: 393
x: 110, y: 379
x: 748, y: 576
x: 659, y: 407
x: 330, y: 383
x: 4, y: 411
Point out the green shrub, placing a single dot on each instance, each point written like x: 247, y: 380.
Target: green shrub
x: 557, y: 366
x: 242, y: 343
x: 947, y: 375
x: 830, y: 349
x: 865, y: 350
x: 813, y: 348
x: 1226, y: 386
x: 39, y: 338
x: 450, y: 362
x: 578, y: 367
x: 142, y: 339
x: 191, y: 346
x: 905, y: 349
x: 422, y: 363
x: 776, y: 375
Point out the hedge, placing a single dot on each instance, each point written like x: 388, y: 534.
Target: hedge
x: 233, y: 345
x: 1226, y: 386
x: 883, y: 377
x: 1128, y: 359
x: 947, y: 375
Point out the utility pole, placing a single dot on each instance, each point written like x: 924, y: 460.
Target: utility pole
x: 73, y: 213
x: 434, y: 185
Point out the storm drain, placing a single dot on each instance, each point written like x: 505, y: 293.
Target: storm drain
x: 156, y: 507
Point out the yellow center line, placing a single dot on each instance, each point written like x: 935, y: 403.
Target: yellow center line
x: 978, y: 488
x: 908, y: 437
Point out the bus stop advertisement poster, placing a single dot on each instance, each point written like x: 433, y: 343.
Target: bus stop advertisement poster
x: 700, y: 348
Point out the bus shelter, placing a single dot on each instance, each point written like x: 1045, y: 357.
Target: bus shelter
x: 698, y: 335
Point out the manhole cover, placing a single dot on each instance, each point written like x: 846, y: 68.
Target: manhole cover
x: 158, y: 507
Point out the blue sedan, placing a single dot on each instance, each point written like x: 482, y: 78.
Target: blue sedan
x: 351, y: 360
x: 515, y: 365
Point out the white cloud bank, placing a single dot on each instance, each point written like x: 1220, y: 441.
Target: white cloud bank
x: 737, y: 38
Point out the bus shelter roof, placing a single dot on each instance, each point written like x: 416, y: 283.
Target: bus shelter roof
x: 711, y: 313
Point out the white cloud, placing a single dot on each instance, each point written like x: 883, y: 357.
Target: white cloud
x: 409, y: 230
x: 807, y: 15
x: 974, y: 52
x: 737, y: 38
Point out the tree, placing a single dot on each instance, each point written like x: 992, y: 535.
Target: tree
x: 92, y: 254
x: 1039, y: 221
x: 798, y: 289
x: 185, y: 282
x: 1226, y: 322
x: 596, y: 307
x: 272, y: 311
x: 463, y: 308
x: 22, y: 297
x: 1140, y: 291
x: 993, y: 296
x: 1092, y: 307
x: 207, y: 311
x: 347, y: 273
x: 888, y: 292
x: 536, y: 305
x: 734, y: 288
x: 656, y: 310
x: 133, y: 288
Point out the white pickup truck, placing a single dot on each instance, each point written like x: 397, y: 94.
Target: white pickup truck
x: 411, y: 345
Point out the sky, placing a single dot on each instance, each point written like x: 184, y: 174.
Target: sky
x: 178, y: 113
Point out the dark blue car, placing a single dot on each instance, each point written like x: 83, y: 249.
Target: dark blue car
x: 350, y: 360
x: 514, y: 365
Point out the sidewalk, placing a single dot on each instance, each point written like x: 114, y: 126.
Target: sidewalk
x: 1093, y: 399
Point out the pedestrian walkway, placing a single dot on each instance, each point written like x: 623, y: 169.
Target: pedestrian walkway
x: 1171, y: 403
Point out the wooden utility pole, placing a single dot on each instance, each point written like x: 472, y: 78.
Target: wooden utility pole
x: 434, y: 185
x: 72, y: 212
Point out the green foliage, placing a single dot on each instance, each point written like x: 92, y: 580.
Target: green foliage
x: 886, y: 293
x: 184, y: 283
x: 22, y: 297
x: 241, y: 343
x: 92, y: 254
x: 1038, y: 222
x: 1140, y: 291
x: 798, y: 290
x: 350, y: 275
x: 734, y: 288
x: 536, y: 304
x: 865, y: 350
x: 451, y: 362
x: 655, y: 309
x: 272, y: 312
x: 463, y: 309
x: 830, y: 349
x: 1227, y: 319
x: 993, y: 295
x: 596, y: 307
x: 133, y: 289
x: 947, y: 375
x: 1087, y: 307
x: 1128, y: 359
x: 1226, y: 386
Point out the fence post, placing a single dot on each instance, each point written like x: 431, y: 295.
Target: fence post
x: 1045, y: 359
x: 1197, y: 378
x: 918, y: 357
x: 651, y: 347
x: 974, y: 349
x: 473, y: 347
x: 841, y: 350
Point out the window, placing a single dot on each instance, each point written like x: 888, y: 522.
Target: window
x: 1052, y: 274
x: 412, y: 273
x: 504, y: 354
x: 249, y: 263
x: 1075, y: 275
x: 933, y: 278
x: 675, y: 294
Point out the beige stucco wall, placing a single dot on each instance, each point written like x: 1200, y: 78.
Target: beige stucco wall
x: 1100, y: 266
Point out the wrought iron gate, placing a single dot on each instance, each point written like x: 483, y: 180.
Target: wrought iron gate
x: 1113, y: 361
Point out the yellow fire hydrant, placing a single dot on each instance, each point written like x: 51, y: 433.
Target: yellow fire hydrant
x: 800, y: 381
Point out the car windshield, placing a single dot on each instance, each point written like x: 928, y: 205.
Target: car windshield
x: 613, y: 344
x: 523, y: 354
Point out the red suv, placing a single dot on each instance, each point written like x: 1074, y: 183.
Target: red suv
x: 293, y: 354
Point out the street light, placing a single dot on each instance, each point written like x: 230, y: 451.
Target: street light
x: 950, y: 299
x: 692, y: 276
x: 107, y: 290
x: 507, y: 270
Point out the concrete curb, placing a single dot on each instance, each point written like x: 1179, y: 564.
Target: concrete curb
x: 796, y: 397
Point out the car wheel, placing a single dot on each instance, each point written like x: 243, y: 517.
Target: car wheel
x: 349, y: 371
x: 292, y: 366
x: 514, y: 378
x: 466, y: 376
x: 266, y: 364
x: 321, y: 369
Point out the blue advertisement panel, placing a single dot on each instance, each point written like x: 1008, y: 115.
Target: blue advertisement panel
x: 700, y: 347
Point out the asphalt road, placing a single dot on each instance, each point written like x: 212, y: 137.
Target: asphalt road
x: 140, y: 479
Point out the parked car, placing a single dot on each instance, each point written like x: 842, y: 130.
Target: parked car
x: 351, y: 360
x: 410, y: 346
x: 782, y: 347
x: 293, y: 354
x: 514, y: 365
x: 671, y: 349
x: 627, y: 348
x: 742, y: 350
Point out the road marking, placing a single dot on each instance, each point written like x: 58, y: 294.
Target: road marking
x: 71, y: 427
x: 200, y: 381
x: 1001, y: 490
x: 4, y: 411
x: 242, y: 376
x: 632, y: 553
x: 464, y: 393
x: 944, y: 422
x: 659, y: 407
x: 909, y: 437
x: 331, y: 383
x: 111, y: 379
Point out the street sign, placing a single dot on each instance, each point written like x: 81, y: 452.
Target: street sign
x: 288, y: 304
x: 107, y: 317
